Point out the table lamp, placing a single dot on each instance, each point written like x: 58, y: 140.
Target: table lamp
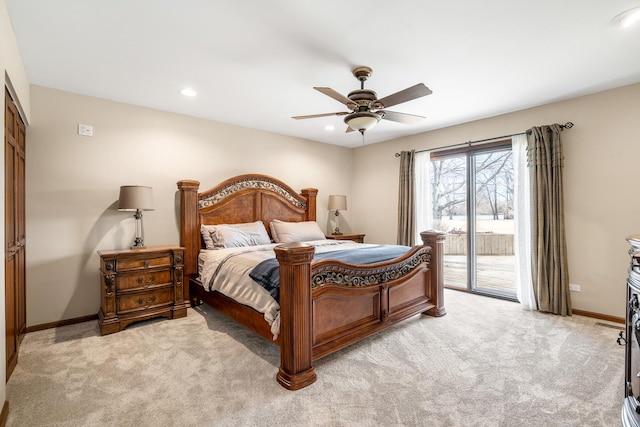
x: 337, y: 203
x: 136, y: 198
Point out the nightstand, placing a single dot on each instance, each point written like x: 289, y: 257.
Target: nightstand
x: 358, y: 238
x: 140, y: 284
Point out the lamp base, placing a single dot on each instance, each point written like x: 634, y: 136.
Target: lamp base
x: 138, y: 242
x: 337, y: 229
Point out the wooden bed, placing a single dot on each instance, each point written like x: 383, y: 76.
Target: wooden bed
x: 324, y: 306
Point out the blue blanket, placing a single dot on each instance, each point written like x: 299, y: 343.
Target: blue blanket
x: 267, y: 273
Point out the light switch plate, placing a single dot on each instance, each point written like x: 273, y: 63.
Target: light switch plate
x: 85, y: 130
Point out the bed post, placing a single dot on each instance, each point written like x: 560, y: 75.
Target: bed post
x: 436, y: 239
x: 296, y: 325
x: 310, y: 194
x: 189, y: 232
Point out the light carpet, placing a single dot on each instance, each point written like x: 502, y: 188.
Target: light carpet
x: 487, y: 362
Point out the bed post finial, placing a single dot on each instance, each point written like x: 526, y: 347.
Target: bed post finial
x: 436, y: 239
x: 189, y: 227
x: 296, y: 320
x: 310, y: 194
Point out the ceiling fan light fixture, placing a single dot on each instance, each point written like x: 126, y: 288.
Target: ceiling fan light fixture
x: 362, y: 120
x: 366, y: 109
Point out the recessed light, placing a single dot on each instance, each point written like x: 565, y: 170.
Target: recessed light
x: 627, y: 18
x: 188, y: 92
x: 329, y: 127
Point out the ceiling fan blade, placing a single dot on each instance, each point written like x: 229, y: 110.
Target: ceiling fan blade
x: 335, y: 95
x: 349, y: 129
x: 408, y: 119
x: 408, y: 94
x: 313, y: 116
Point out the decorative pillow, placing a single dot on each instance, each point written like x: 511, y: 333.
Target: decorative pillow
x: 274, y: 232
x: 234, y: 235
x: 287, y: 232
x: 206, y: 231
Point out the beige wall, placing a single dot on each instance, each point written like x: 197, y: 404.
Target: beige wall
x: 15, y: 77
x: 73, y: 183
x: 601, y: 207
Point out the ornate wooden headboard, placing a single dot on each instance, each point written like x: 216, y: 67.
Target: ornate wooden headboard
x: 244, y: 198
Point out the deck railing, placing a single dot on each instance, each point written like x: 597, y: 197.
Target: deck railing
x: 486, y: 244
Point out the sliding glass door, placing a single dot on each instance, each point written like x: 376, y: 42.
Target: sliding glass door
x: 449, y: 205
x: 472, y: 201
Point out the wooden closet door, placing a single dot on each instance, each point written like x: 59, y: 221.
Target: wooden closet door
x: 15, y: 233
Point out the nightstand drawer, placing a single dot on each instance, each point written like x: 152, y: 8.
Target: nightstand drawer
x: 139, y: 264
x: 141, y: 280
x: 145, y: 300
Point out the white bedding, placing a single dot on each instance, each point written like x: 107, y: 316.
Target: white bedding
x: 230, y: 270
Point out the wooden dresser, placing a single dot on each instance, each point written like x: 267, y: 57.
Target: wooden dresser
x: 358, y: 238
x: 140, y: 284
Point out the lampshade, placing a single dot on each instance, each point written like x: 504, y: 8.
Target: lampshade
x: 337, y: 202
x: 362, y: 120
x: 135, y: 197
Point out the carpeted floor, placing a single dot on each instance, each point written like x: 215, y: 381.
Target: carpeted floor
x: 486, y: 363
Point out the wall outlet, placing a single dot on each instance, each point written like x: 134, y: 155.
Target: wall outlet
x: 575, y: 288
x: 85, y: 130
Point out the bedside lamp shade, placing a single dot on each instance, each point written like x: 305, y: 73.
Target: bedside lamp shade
x: 337, y: 202
x: 136, y: 198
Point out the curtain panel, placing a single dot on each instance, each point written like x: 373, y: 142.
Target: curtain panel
x: 423, y: 210
x: 406, y: 199
x: 549, y: 267
x: 522, y: 217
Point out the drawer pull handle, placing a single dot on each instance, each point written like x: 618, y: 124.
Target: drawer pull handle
x: 149, y: 280
x: 146, y: 263
x: 149, y: 301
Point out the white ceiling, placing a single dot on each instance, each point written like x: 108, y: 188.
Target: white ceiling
x: 254, y: 62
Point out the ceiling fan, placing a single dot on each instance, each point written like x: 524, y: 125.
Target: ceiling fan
x: 366, y: 109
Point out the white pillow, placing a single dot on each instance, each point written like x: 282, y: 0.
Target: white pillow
x: 274, y: 232
x: 234, y: 235
x: 287, y: 232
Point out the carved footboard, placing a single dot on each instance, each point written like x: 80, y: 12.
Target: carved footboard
x: 330, y: 305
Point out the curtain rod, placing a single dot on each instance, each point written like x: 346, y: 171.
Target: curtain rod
x: 567, y: 125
